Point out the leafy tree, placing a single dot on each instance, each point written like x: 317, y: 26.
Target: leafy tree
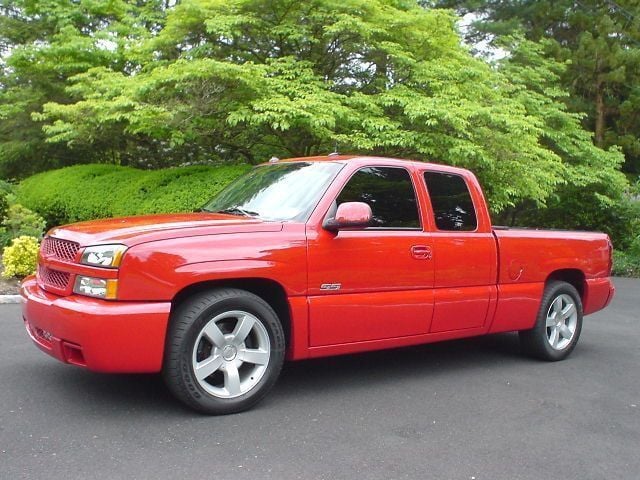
x: 593, y: 196
x: 42, y: 44
x: 153, y: 84
x: 601, y: 41
x: 254, y: 78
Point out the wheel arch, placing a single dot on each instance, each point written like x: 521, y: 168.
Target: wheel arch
x: 572, y: 276
x: 267, y: 289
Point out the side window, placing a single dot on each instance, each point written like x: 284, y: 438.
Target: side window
x: 452, y: 205
x: 390, y: 194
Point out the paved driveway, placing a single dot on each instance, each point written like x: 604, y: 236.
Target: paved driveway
x: 472, y: 409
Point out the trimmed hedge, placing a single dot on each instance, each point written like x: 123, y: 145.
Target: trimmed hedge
x: 85, y: 192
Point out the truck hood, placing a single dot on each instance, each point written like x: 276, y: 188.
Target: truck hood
x: 134, y: 230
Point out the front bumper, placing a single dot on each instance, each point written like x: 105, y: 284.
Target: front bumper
x: 103, y: 336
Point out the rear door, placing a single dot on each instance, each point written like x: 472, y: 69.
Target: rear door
x: 464, y: 253
x: 375, y: 283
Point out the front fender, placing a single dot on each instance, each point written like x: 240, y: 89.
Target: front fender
x: 156, y: 271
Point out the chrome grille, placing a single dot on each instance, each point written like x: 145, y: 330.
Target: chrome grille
x: 53, y: 278
x: 60, y: 249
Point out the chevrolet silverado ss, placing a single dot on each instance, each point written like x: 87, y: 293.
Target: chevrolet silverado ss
x: 305, y: 258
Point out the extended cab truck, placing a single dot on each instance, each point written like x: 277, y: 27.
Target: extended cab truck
x: 306, y: 258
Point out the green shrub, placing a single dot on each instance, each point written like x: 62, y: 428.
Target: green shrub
x: 583, y: 209
x: 7, y: 196
x: 85, y: 192
x: 626, y: 264
x: 20, y: 258
x: 6, y: 187
x: 4, y: 207
x: 634, y: 248
x: 21, y: 221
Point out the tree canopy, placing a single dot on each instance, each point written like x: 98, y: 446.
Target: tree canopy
x: 229, y: 80
x: 599, y: 41
x: 42, y: 45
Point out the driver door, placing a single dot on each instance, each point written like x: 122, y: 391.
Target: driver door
x: 374, y: 283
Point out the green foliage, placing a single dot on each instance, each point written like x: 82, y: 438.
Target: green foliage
x: 98, y: 191
x: 21, y: 221
x: 20, y: 258
x: 7, y: 197
x: 626, y: 264
x: 601, y: 43
x: 592, y: 195
x: 42, y: 45
x: 4, y: 206
x: 249, y: 79
x: 156, y: 84
x: 634, y: 248
x: 575, y: 208
x: 16, y: 220
x: 6, y: 187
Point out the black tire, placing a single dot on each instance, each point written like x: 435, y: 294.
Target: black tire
x: 188, y: 340
x: 538, y: 341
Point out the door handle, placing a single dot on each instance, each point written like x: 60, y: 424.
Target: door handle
x: 421, y: 252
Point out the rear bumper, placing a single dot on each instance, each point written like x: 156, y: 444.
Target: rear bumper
x: 99, y: 335
x: 598, y: 294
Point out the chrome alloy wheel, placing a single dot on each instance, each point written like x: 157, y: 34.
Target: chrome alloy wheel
x: 231, y: 354
x: 562, y: 320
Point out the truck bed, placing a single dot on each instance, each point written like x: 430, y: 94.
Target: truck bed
x: 527, y: 255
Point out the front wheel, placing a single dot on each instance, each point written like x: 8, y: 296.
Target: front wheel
x: 558, y: 325
x: 224, y: 351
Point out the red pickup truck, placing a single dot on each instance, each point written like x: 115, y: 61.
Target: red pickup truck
x: 305, y: 258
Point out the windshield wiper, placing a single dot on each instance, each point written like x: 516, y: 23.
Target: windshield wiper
x: 239, y: 211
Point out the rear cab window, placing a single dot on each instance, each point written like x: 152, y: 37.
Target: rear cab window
x: 453, y: 208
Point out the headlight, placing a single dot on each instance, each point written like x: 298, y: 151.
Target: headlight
x: 103, y: 255
x: 96, y: 287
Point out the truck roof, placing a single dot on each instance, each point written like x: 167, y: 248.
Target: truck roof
x: 369, y: 160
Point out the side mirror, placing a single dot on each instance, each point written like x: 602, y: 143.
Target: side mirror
x: 350, y: 216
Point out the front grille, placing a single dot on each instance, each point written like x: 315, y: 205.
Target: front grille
x: 53, y: 278
x: 60, y: 249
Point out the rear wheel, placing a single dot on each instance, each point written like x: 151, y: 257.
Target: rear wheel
x: 558, y: 324
x: 224, y: 351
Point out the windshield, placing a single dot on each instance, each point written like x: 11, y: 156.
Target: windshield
x: 282, y: 191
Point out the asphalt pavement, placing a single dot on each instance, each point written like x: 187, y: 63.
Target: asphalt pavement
x: 472, y: 409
